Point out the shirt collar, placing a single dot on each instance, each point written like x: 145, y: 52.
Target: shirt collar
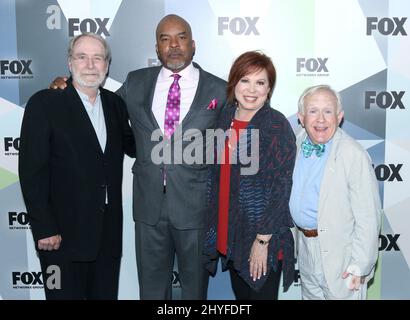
x: 84, y: 97
x: 328, y: 143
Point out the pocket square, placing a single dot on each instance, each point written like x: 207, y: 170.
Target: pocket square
x: 213, y: 104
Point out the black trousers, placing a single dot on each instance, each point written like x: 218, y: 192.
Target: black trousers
x: 243, y: 291
x: 94, y: 280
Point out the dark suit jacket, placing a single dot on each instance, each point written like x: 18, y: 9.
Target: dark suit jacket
x: 185, y: 199
x: 64, y: 174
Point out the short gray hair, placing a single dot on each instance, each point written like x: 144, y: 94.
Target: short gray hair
x: 107, y: 49
x: 322, y: 87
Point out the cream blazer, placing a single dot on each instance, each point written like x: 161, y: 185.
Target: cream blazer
x: 349, y: 212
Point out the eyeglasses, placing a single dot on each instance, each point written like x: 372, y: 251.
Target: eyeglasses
x: 83, y: 58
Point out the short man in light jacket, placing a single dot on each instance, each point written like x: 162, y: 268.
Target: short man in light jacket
x: 334, y: 202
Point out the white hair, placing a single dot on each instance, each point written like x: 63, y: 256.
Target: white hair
x: 73, y: 41
x: 321, y: 87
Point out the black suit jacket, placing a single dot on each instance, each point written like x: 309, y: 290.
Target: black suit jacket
x: 64, y: 173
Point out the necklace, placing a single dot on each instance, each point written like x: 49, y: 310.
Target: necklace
x: 229, y: 141
x: 230, y: 130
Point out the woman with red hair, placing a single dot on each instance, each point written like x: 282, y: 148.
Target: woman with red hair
x: 248, y: 223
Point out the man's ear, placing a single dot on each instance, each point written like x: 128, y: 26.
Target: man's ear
x: 69, y: 65
x: 340, y: 117
x: 301, y: 119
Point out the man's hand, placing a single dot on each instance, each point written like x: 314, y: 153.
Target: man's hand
x: 50, y: 243
x: 58, y: 83
x: 355, y: 281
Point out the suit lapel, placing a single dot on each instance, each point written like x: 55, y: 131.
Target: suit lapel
x: 201, y: 98
x: 197, y: 102
x: 81, y: 120
x: 150, y: 89
x: 328, y: 179
x: 108, y: 118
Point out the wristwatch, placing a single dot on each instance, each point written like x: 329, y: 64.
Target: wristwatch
x: 262, y: 242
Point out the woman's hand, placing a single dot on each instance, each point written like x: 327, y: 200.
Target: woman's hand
x: 259, y: 256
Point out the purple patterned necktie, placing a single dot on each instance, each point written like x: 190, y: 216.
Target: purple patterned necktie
x: 173, y: 107
x: 172, y: 111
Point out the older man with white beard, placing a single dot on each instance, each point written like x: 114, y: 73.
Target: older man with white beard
x: 70, y: 164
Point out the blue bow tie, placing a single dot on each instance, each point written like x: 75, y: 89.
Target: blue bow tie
x: 308, y: 148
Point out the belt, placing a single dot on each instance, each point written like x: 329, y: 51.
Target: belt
x: 309, y: 233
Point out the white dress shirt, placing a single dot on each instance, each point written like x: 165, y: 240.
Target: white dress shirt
x: 96, y: 114
x: 188, y: 84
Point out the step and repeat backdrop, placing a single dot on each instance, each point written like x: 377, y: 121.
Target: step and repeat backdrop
x: 360, y: 47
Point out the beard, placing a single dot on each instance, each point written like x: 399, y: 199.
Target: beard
x: 176, y: 65
x: 82, y: 80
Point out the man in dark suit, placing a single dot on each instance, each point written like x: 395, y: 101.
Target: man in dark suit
x: 170, y: 198
x: 70, y: 165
